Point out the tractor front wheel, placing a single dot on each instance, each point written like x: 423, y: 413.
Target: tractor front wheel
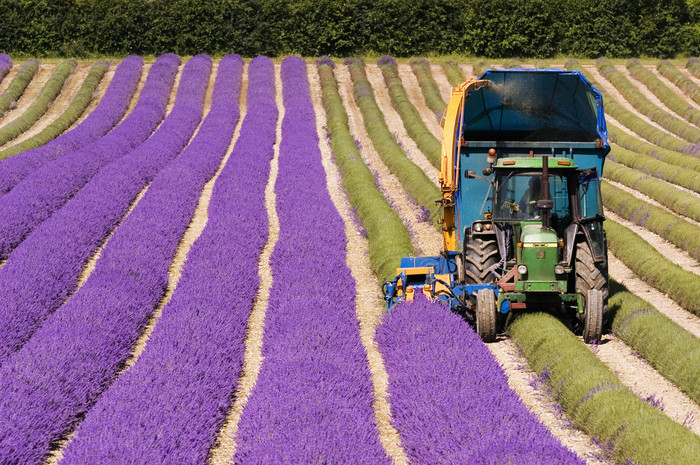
x: 486, y: 315
x: 593, y: 316
x: 481, y: 259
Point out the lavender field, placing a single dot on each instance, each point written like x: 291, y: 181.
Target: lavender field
x: 191, y: 273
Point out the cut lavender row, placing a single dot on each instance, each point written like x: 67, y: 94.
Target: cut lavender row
x: 48, y: 384
x: 44, y: 269
x: 103, y: 118
x: 312, y: 402
x: 170, y: 405
x: 450, y: 400
x: 44, y: 191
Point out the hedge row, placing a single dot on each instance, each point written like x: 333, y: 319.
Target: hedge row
x: 412, y: 121
x: 76, y: 108
x: 676, y: 230
x: 453, y: 73
x: 388, y: 237
x: 671, y: 350
x: 18, y: 84
x: 679, y: 105
x: 652, y: 267
x: 40, y: 105
x: 412, y: 178
x: 595, y: 399
x: 532, y: 28
x: 666, y: 194
x: 644, y: 106
x: 428, y: 86
x: 683, y: 82
x: 657, y: 168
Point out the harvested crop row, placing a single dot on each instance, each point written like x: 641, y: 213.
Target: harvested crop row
x: 18, y: 85
x: 427, y: 143
x: 681, y: 81
x: 388, y: 237
x: 76, y: 108
x: 427, y: 348
x: 693, y: 65
x: 102, y: 119
x: 313, y: 397
x: 431, y: 93
x: 453, y: 73
x: 666, y: 95
x: 595, y: 399
x: 642, y: 104
x: 201, y: 330
x: 45, y: 190
x: 40, y: 105
x: 413, y: 179
x: 43, y: 270
x: 58, y: 374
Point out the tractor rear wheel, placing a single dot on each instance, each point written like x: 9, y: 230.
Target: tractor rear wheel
x: 589, y: 274
x: 486, y: 315
x: 481, y: 259
x: 593, y: 316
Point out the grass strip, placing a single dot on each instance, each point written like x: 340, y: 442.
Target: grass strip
x: 76, y: 108
x: 679, y: 105
x: 633, y: 122
x: 683, y: 82
x: 644, y: 106
x: 674, y: 174
x: 412, y: 178
x: 453, y: 74
x: 677, y: 200
x: 652, y: 267
x: 425, y: 140
x: 20, y: 82
x: 595, y: 399
x: 693, y: 65
x: 428, y: 86
x: 542, y: 64
x: 40, y: 105
x: 388, y: 237
x: 671, y: 350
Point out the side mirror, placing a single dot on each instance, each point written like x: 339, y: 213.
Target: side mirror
x: 545, y: 204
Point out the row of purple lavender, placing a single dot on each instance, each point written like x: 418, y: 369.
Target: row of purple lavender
x: 47, y: 385
x: 182, y: 384
x: 312, y: 402
x: 102, y: 119
x: 5, y: 65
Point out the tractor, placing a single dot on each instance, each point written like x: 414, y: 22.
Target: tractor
x: 522, y: 216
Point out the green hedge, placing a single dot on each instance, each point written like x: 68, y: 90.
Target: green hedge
x: 453, y: 73
x: 499, y: 28
x: 412, y: 121
x: 412, y: 178
x: 388, y: 237
x: 76, y: 108
x: 40, y: 105
x: 428, y: 86
x: 652, y: 267
x: 595, y: 399
x: 686, y: 84
x: 671, y: 350
x: 18, y: 85
x: 676, y: 199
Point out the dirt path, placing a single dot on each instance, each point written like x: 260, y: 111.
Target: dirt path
x: 540, y: 402
x: 59, y: 105
x: 10, y: 76
x: 30, y: 93
x: 225, y: 446
x: 425, y: 237
x: 683, y: 70
x: 442, y: 82
x: 675, y: 89
x: 648, y: 93
x: 647, y: 383
x: 415, y: 95
x: 369, y: 304
x: 658, y: 299
x: 468, y: 71
x: 395, y: 123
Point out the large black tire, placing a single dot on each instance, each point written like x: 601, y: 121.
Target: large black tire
x: 481, y: 259
x: 486, y: 315
x: 590, y: 275
x: 593, y: 316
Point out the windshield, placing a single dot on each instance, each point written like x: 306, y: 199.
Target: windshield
x: 517, y: 195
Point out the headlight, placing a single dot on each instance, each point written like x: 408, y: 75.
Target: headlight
x: 559, y: 269
x: 522, y: 269
x: 478, y: 227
